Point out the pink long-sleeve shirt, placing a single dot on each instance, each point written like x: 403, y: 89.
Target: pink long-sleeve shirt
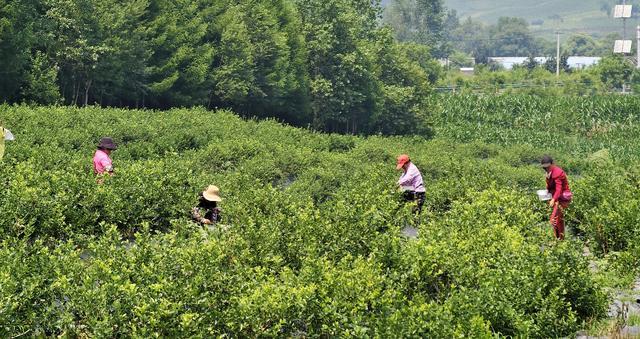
x: 102, y: 162
x: 411, y: 179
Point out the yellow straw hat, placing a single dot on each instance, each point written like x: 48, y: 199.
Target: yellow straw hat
x: 212, y: 193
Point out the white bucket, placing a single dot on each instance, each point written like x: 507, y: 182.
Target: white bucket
x: 8, y: 136
x: 544, y: 195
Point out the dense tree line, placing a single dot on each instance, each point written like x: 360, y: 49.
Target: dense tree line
x: 613, y: 73
x: 328, y: 63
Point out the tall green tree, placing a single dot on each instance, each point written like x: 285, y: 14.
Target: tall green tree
x: 614, y: 71
x: 472, y: 37
x: 120, y: 73
x: 41, y: 83
x: 73, y: 41
x: 551, y: 64
x: 582, y: 45
x: 405, y: 85
x: 341, y: 56
x: 182, y: 45
x: 261, y: 64
x: 512, y: 37
x: 420, y: 21
x: 17, y: 36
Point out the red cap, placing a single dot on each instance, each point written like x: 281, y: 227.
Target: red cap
x: 402, y: 159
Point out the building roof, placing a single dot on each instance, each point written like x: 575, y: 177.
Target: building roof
x: 575, y: 62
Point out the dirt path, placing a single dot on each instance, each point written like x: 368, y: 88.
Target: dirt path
x: 624, y: 307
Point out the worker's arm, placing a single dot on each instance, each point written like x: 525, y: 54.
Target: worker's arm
x: 195, y: 214
x: 408, y: 177
x: 107, y: 165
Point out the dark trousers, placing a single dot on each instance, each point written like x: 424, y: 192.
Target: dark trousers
x: 417, y: 197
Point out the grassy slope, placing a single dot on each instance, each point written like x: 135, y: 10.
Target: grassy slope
x: 577, y: 15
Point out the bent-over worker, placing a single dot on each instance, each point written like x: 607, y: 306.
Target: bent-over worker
x: 411, y: 182
x: 101, y: 161
x: 558, y: 187
x: 207, y: 212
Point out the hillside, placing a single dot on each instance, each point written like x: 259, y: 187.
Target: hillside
x: 570, y: 16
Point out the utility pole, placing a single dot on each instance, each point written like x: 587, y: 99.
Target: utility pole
x: 624, y: 23
x: 558, y: 54
x: 638, y: 47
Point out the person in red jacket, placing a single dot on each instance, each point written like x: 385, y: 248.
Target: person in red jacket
x: 558, y: 187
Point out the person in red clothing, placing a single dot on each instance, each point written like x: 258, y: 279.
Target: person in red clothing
x: 558, y: 186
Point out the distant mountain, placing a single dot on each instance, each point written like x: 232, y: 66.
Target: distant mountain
x: 592, y: 17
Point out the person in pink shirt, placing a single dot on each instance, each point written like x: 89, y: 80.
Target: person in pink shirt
x: 101, y: 161
x: 411, y: 182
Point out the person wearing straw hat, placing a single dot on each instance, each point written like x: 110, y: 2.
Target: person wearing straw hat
x: 101, y: 159
x: 558, y: 187
x: 207, y: 212
x: 411, y: 182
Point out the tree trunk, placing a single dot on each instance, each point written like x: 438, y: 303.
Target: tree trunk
x: 76, y: 92
x: 86, y: 92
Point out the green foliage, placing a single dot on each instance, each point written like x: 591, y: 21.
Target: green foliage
x: 531, y: 78
x: 513, y: 37
x: 313, y: 248
x: 41, y: 82
x: 510, y: 36
x: 17, y: 37
x: 420, y: 21
x: 459, y: 59
x: 303, y: 62
x: 614, y: 71
x: 551, y: 65
x: 585, y: 45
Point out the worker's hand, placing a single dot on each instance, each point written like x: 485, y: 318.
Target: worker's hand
x: 552, y: 202
x: 206, y: 222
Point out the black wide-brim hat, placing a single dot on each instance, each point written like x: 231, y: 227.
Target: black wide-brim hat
x: 107, y: 143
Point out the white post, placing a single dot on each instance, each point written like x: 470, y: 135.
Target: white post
x: 558, y: 54
x: 624, y: 22
x: 638, y: 47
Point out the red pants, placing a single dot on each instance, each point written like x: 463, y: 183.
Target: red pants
x: 557, y: 219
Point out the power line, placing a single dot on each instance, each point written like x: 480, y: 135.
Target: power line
x: 491, y: 39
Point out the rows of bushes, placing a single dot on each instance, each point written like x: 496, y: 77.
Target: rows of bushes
x: 314, y: 245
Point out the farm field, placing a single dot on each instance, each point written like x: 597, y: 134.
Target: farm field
x: 314, y: 246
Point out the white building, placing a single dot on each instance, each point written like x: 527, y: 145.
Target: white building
x: 575, y: 62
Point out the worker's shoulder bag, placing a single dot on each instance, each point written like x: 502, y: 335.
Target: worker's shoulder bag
x: 566, y: 196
